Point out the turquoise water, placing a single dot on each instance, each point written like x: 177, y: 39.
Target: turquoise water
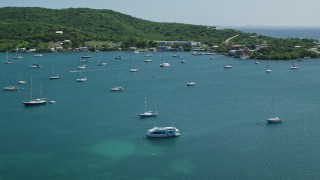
x: 93, y: 133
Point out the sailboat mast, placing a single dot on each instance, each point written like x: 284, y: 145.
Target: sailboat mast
x: 31, y: 89
x: 40, y: 91
x: 145, y: 103
x: 273, y: 106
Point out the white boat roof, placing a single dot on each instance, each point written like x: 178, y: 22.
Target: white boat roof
x: 162, y: 128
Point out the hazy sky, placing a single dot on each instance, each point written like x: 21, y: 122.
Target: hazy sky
x: 204, y: 12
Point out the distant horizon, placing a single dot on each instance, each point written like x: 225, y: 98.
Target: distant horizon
x: 273, y: 27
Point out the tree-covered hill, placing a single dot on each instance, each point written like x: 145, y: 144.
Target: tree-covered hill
x: 81, y: 24
x: 32, y: 27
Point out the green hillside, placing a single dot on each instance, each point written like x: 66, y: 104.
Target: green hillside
x: 36, y: 28
x: 80, y: 25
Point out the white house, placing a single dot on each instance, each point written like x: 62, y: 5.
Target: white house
x: 59, y: 32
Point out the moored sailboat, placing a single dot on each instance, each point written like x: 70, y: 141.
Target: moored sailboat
x: 53, y: 75
x: 148, y: 113
x: 35, y: 102
x: 274, y: 119
x: 117, y: 87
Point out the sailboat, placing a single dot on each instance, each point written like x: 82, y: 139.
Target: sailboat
x: 17, y: 56
x: 164, y: 64
x: 35, y: 102
x: 274, y: 119
x: 54, y: 76
x: 133, y: 69
x: 7, y: 60
x: 117, y: 87
x: 10, y: 87
x: 268, y: 68
x: 102, y: 63
x: 119, y: 56
x: 38, y: 55
x: 294, y: 66
x: 227, y: 66
x: 182, y: 60
x: 81, y: 78
x: 21, y: 81
x: 148, y: 58
x: 191, y: 83
x: 148, y: 113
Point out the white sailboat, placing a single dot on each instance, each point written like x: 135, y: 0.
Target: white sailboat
x: 17, y: 56
x: 182, y: 60
x: 147, y: 60
x: 35, y: 66
x: 164, y: 64
x: 274, y: 119
x: 102, y: 63
x: 148, y: 113
x: 120, y: 55
x: 38, y: 55
x: 227, y: 66
x: 8, y: 61
x: 268, y: 68
x: 148, y: 55
x: 81, y: 78
x: 191, y: 83
x: 10, y: 87
x: 53, y: 75
x: 35, y: 102
x: 294, y: 66
x: 132, y: 68
x: 21, y: 81
x: 117, y: 87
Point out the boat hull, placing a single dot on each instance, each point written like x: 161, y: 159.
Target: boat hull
x: 148, y: 114
x: 11, y: 88
x: 54, y: 77
x: 274, y: 120
x: 34, y: 103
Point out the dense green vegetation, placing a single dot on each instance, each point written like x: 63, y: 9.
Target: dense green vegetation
x: 109, y: 30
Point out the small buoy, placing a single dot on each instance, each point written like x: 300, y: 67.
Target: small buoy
x: 152, y: 154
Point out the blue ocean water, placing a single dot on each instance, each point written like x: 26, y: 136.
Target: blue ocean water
x: 284, y: 32
x: 93, y: 133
